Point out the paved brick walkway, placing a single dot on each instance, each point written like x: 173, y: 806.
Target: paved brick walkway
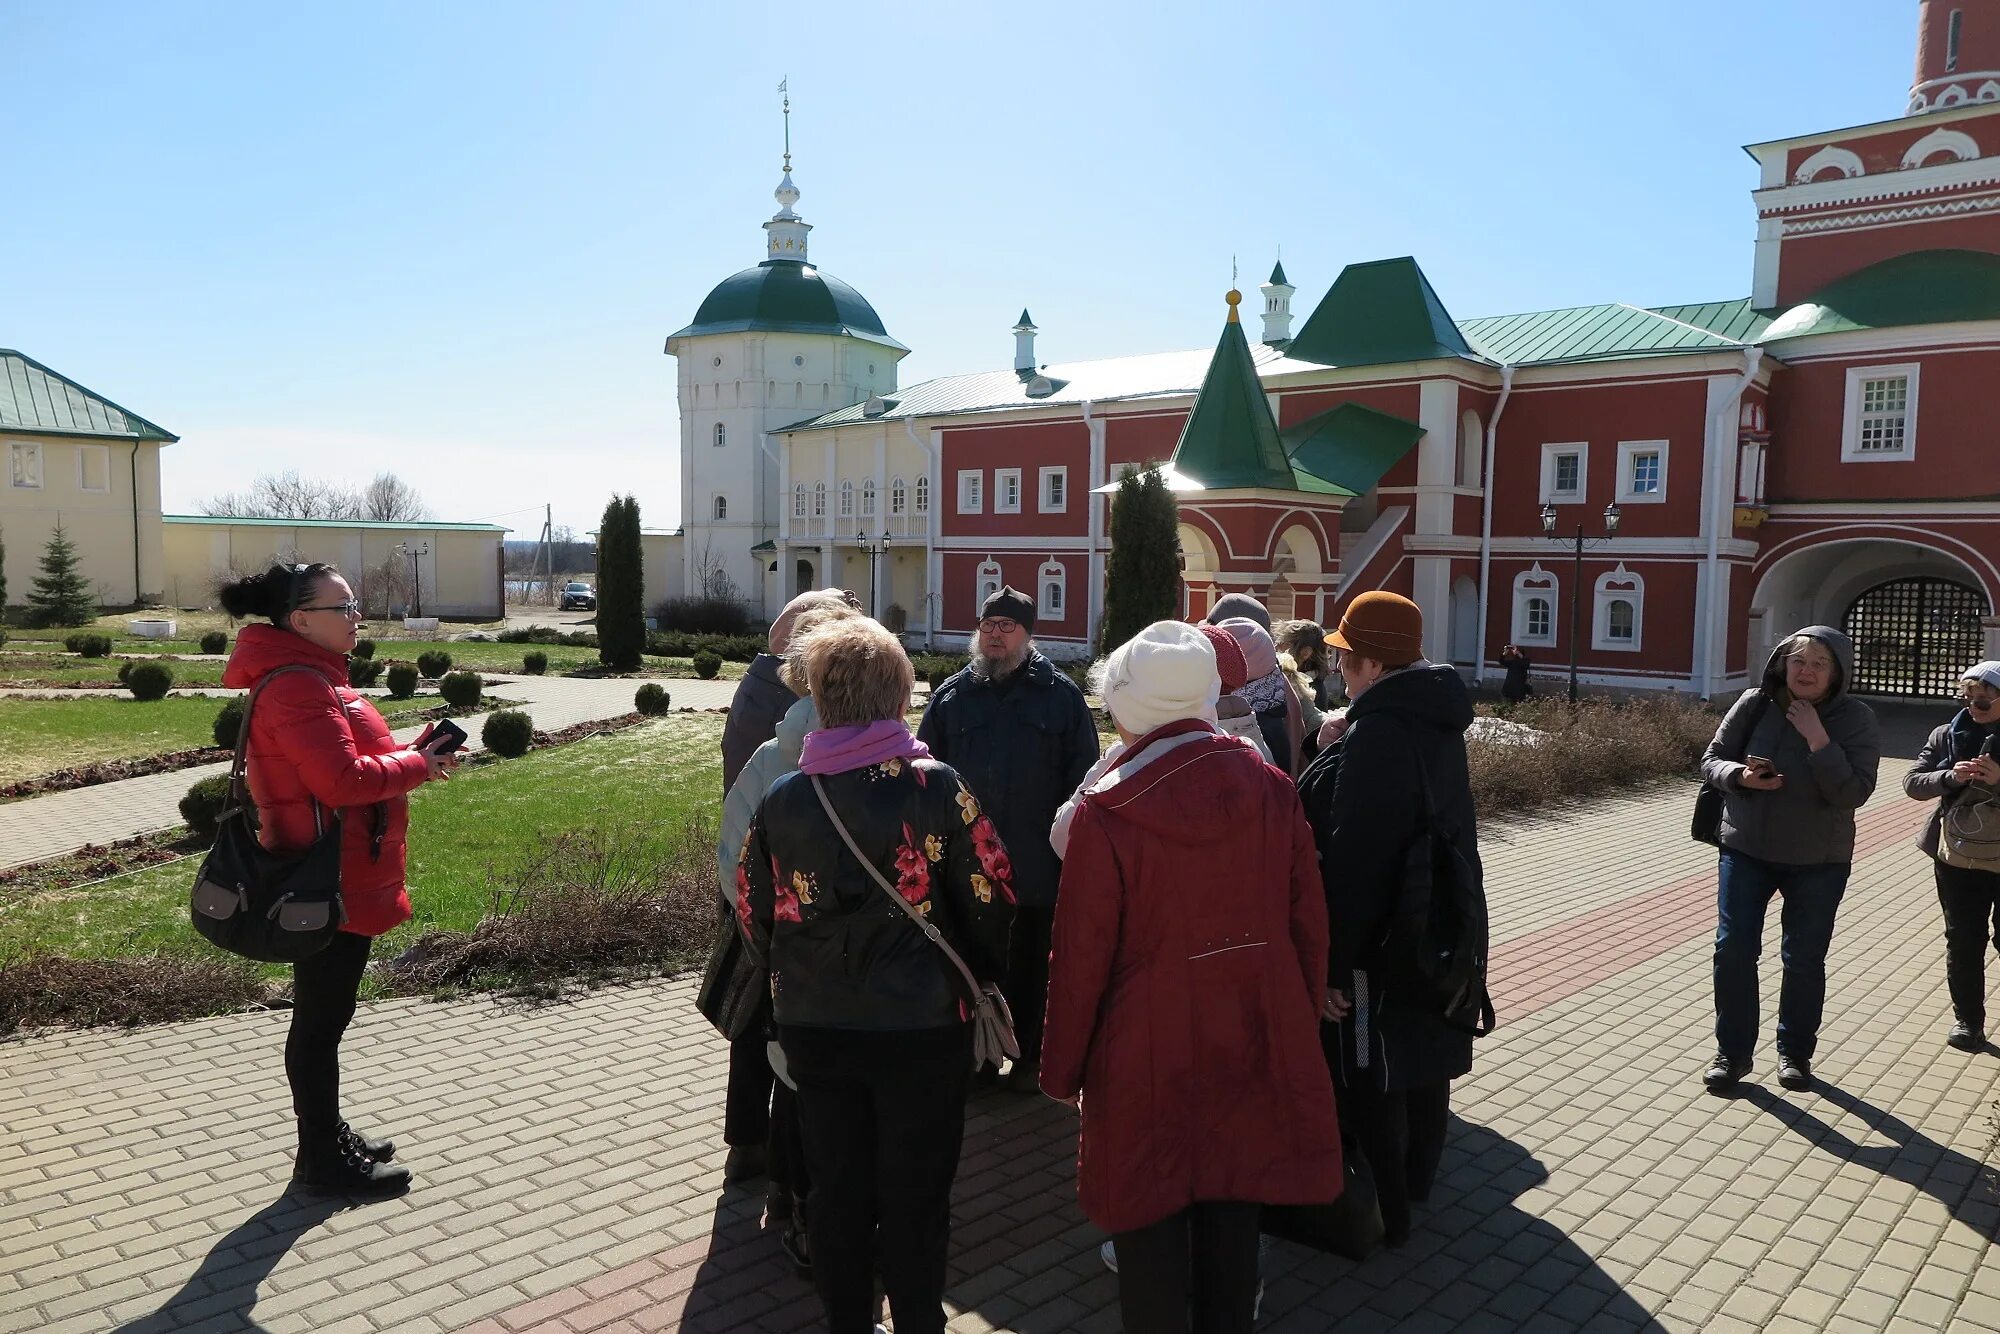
x: 568, y: 1155
x: 60, y: 823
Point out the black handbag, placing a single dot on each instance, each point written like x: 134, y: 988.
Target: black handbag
x: 735, y: 991
x: 1350, y: 1225
x: 1706, y: 826
x: 269, y: 906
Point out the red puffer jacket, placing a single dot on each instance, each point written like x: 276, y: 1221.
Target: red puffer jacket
x: 1185, y: 985
x: 305, y: 748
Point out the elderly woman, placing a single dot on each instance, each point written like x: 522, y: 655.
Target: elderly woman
x: 1268, y: 691
x: 1957, y: 768
x: 1794, y: 759
x: 1187, y: 979
x: 870, y: 1014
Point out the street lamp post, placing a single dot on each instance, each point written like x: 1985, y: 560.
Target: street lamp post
x: 416, y: 574
x: 1578, y: 540
x: 875, y: 547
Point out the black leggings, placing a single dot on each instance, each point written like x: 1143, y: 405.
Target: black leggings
x: 323, y: 991
x: 1205, y: 1256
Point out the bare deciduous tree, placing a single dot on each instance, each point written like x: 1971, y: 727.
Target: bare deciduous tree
x: 712, y: 574
x: 287, y: 495
x: 390, y: 499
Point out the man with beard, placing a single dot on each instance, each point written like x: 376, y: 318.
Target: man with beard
x: 1019, y: 733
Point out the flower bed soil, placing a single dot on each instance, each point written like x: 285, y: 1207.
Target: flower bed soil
x: 94, y: 862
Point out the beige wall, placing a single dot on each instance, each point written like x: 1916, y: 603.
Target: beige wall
x: 460, y: 576
x: 665, y: 558
x: 86, y: 486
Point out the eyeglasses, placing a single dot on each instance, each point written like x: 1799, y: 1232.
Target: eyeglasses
x: 351, y: 607
x: 998, y: 625
x: 1980, y: 699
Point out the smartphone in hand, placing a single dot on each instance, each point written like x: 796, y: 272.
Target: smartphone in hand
x: 454, y: 736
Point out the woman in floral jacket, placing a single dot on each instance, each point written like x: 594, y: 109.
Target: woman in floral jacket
x: 870, y: 1013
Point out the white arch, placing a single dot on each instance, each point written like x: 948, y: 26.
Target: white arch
x: 1844, y: 160
x: 1298, y: 542
x: 1962, y: 147
x: 1197, y: 552
x: 1471, y: 448
x: 1816, y: 582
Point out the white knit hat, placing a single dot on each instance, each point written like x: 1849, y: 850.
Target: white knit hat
x: 1161, y: 675
x: 1988, y: 672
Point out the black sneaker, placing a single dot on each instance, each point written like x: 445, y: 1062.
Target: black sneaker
x: 1794, y: 1072
x: 1965, y: 1037
x: 343, y: 1173
x: 746, y: 1162
x: 1724, y: 1073
x: 350, y: 1140
x: 792, y: 1241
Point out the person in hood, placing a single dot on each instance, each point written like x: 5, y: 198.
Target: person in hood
x: 1233, y: 605
x: 1957, y: 767
x: 317, y: 750
x: 762, y: 697
x: 1393, y: 1057
x: 1185, y: 989
x: 1022, y: 736
x: 1794, y: 759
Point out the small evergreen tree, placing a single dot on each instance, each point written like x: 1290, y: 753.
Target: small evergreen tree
x: 621, y: 587
x: 60, y: 596
x: 1142, y: 577
x: 3, y: 588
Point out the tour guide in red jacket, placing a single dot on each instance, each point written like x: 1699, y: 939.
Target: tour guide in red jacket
x: 1185, y: 991
x: 319, y: 750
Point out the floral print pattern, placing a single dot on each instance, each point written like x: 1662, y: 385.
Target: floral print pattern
x: 992, y: 854
x: 968, y: 805
x: 913, y: 871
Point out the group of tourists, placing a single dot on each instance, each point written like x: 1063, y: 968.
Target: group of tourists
x: 1203, y: 937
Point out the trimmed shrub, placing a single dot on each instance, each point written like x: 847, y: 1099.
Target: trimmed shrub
x: 89, y: 646
x: 433, y: 664
x: 214, y: 642
x: 363, y: 672
x: 508, y: 733
x: 124, y: 670
x: 534, y: 662
x: 364, y: 648
x: 402, y: 680
x: 729, y: 648
x: 934, y: 669
x: 461, y: 689
x: 203, y: 805
x: 228, y: 721
x: 652, y: 699
x: 149, y: 680
x: 704, y: 616
x: 548, y: 634
x: 706, y: 665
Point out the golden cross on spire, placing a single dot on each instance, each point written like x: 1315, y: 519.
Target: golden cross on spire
x: 785, y: 89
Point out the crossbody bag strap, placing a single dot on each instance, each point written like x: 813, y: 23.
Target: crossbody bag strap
x: 929, y: 927
x: 239, y: 764
x: 1756, y: 717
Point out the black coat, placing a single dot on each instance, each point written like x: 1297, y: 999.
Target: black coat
x: 761, y: 699
x: 1023, y: 750
x: 841, y: 954
x: 1364, y: 832
x: 1929, y: 779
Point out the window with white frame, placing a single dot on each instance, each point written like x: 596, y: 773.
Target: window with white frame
x: 868, y: 499
x: 989, y: 583
x: 899, y: 496
x: 798, y: 500
x: 24, y: 465
x: 1006, y: 490
x: 1535, y: 593
x: 1881, y: 414
x: 1620, y: 613
x: 847, y: 500
x: 1642, y: 472
x: 971, y: 492
x: 1563, y: 475
x: 1051, y: 585
x: 819, y: 500
x: 721, y: 435
x: 721, y: 508
x: 1055, y: 490
x: 923, y: 495
x: 93, y: 469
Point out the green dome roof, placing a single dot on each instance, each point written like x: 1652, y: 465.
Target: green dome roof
x: 1928, y: 287
x: 787, y: 296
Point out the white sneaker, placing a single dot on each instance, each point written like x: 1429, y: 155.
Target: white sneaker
x: 1108, y: 1253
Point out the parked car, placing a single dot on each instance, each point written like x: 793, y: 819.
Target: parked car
x: 578, y: 596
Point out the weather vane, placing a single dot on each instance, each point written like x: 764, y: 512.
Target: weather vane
x: 785, y: 89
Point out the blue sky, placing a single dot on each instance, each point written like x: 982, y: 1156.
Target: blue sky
x: 450, y: 239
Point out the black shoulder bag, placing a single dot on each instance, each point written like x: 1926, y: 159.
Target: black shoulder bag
x: 268, y: 906
x: 1706, y: 827
x: 1437, y: 939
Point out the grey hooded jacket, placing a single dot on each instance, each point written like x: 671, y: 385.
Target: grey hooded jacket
x: 1810, y: 820
x: 766, y: 765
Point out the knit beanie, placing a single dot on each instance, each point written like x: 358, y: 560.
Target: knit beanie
x: 1260, y: 651
x: 1011, y: 603
x: 1161, y: 675
x: 1987, y: 672
x: 1239, y: 604
x: 1229, y: 663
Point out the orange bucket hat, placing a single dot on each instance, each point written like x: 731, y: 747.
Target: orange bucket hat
x: 1387, y: 627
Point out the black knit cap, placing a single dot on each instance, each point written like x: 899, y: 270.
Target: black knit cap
x: 1013, y: 604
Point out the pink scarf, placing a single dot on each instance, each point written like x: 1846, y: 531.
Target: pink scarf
x: 835, y: 750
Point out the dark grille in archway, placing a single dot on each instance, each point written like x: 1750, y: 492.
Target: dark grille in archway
x: 1914, y: 636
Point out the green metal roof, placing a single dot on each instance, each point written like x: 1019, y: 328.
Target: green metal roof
x: 416, y: 526
x: 1229, y: 440
x: 1278, y: 274
x: 1589, y: 333
x: 1350, y: 447
x: 1736, y: 320
x: 787, y: 296
x: 1929, y: 287
x: 35, y: 400
x: 1378, y: 313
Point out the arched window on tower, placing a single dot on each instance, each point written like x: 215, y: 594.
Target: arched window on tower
x: 721, y: 435
x: 721, y: 508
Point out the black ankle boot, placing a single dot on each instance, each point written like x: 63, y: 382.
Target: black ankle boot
x: 351, y: 1140
x: 327, y: 1165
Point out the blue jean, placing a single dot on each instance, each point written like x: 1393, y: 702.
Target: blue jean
x: 1812, y: 897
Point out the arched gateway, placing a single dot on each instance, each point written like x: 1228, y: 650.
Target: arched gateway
x: 1914, y: 636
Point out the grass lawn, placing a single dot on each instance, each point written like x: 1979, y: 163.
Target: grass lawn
x: 507, y: 658
x: 68, y: 669
x: 464, y: 837
x: 39, y: 736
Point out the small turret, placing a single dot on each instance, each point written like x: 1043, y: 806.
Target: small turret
x: 1024, y: 346
x: 1278, y: 306
x: 1958, y: 54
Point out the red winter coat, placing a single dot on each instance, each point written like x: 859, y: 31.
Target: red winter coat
x: 305, y: 748
x: 1185, y: 984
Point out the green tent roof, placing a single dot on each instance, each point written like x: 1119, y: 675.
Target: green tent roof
x: 1350, y: 447
x: 1928, y: 287
x: 1378, y: 313
x: 787, y: 296
x: 1278, y: 274
x: 1230, y: 440
x: 38, y: 401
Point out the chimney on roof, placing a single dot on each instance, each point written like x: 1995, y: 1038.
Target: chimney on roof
x: 1278, y: 306
x: 1024, y: 346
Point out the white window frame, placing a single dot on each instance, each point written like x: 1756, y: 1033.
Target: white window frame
x: 1060, y: 477
x: 720, y: 435
x: 819, y: 500
x: 971, y: 491
x: 1535, y: 582
x: 1850, y: 430
x: 899, y: 496
x: 1628, y: 456
x: 1550, y: 453
x: 920, y: 496
x: 847, y: 498
x: 798, y: 500
x: 1001, y: 478
x: 868, y: 498
x: 987, y: 582
x: 1619, y: 585
x: 84, y: 453
x: 1052, y: 577
x: 718, y: 509
x: 32, y: 448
